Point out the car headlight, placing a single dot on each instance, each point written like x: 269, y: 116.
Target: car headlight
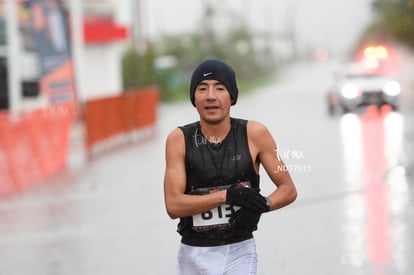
x: 392, y: 88
x: 350, y: 91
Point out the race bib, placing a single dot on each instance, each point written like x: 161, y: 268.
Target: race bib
x: 215, y: 218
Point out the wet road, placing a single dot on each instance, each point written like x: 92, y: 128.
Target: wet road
x: 354, y: 213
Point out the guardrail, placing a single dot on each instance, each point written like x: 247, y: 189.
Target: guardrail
x: 33, y: 147
x: 107, y: 118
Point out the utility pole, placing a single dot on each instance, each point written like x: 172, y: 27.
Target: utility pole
x: 291, y: 30
x: 137, y: 25
x: 13, y: 52
x: 76, y: 15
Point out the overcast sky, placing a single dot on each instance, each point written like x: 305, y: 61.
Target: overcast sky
x: 333, y: 24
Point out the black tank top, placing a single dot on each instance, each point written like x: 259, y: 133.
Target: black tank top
x: 213, y: 166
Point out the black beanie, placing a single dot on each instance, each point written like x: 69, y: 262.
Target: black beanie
x: 217, y: 70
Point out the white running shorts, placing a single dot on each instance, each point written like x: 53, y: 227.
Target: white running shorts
x: 231, y: 259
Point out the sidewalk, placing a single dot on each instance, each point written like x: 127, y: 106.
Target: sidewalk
x: 408, y: 145
x: 407, y: 79
x: 77, y: 155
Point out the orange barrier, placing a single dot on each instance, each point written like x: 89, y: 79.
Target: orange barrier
x: 112, y: 116
x: 32, y: 148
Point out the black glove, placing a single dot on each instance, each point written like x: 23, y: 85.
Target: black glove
x: 244, y: 220
x: 247, y: 198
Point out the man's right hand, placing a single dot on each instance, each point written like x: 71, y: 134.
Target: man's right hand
x: 248, y: 198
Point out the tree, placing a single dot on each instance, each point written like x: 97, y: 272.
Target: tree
x: 394, y: 18
x: 235, y: 43
x: 137, y: 68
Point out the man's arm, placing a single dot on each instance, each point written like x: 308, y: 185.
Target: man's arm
x: 264, y: 148
x: 179, y: 204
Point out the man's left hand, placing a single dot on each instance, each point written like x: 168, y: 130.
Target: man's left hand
x: 245, y: 220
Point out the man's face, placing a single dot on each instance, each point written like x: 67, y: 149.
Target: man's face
x: 212, y: 100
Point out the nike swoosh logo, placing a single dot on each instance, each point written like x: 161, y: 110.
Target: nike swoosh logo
x: 206, y: 74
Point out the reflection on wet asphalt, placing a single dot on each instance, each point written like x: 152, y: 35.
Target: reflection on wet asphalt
x: 376, y: 228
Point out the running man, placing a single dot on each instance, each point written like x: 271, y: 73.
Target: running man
x: 211, y: 180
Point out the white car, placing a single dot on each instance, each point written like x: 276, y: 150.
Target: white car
x: 355, y: 86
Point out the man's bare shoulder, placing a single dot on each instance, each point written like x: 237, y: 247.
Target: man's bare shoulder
x: 175, y: 146
x: 175, y: 137
x: 176, y: 133
x: 256, y: 129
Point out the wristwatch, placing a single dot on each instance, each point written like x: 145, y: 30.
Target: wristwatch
x: 268, y: 202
